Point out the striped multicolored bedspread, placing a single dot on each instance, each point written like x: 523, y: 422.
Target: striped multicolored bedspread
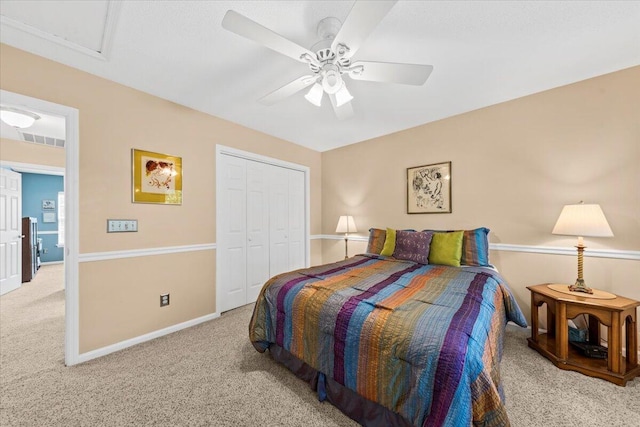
x: 424, y: 341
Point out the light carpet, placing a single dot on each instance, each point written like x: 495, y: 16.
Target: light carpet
x: 210, y: 375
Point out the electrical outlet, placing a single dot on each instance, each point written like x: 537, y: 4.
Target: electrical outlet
x: 164, y: 300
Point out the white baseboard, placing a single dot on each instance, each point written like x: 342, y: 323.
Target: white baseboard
x: 51, y: 263
x: 93, y: 354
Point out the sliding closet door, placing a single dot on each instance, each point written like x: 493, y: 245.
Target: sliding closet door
x: 257, y: 228
x: 233, y: 222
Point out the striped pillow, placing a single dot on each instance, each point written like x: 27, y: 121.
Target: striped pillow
x: 475, y: 247
x: 376, y: 240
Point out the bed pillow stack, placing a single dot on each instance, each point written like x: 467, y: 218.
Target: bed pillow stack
x: 451, y: 247
x: 408, y: 245
x: 475, y: 246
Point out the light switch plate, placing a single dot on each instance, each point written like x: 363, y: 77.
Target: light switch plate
x: 122, y: 225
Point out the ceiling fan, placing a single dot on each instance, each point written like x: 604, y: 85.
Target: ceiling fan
x: 330, y: 59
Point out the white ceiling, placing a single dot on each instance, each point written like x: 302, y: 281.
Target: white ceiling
x: 483, y: 53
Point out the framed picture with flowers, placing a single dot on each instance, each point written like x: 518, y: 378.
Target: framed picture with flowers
x: 157, y: 178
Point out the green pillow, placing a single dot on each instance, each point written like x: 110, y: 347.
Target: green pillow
x: 389, y: 243
x: 446, y: 248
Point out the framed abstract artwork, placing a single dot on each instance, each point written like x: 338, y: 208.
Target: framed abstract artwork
x: 429, y: 188
x: 157, y: 178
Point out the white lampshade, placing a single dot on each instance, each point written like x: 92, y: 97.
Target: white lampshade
x: 314, y: 95
x: 582, y: 220
x: 18, y: 118
x: 343, y: 96
x: 346, y: 224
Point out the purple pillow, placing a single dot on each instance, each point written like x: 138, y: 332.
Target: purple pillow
x: 413, y: 246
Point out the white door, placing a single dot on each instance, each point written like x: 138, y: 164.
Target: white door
x: 296, y: 220
x: 233, y: 226
x: 287, y: 220
x: 10, y: 230
x: 257, y: 228
x: 279, y: 221
x: 261, y: 226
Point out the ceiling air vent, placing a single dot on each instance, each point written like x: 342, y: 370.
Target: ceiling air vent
x: 44, y: 140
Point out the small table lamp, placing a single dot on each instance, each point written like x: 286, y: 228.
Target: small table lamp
x: 346, y: 225
x: 582, y: 220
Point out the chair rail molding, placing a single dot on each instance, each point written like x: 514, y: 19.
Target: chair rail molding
x: 132, y: 253
x: 552, y: 250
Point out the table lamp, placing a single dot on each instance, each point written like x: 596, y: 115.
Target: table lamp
x: 582, y: 220
x: 346, y: 225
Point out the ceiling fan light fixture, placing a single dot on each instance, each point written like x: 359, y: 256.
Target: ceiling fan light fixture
x: 331, y: 80
x: 314, y: 95
x: 18, y: 118
x: 343, y: 96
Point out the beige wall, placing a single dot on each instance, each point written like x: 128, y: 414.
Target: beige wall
x: 142, y: 279
x: 28, y: 152
x: 119, y: 299
x: 514, y: 166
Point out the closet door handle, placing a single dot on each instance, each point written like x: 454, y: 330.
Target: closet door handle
x: 22, y: 236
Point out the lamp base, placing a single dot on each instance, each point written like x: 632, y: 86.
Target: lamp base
x: 579, y: 286
x: 346, y: 248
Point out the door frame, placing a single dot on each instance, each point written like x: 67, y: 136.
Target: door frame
x: 71, y: 209
x: 224, y: 150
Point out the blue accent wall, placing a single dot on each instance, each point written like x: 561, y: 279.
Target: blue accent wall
x: 35, y: 189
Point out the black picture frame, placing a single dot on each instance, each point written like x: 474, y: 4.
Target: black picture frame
x: 429, y: 189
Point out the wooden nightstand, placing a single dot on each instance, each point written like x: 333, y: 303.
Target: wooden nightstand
x: 613, y: 313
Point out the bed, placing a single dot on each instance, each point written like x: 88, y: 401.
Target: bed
x: 392, y: 341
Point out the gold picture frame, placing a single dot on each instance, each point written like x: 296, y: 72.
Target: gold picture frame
x: 429, y: 188
x: 157, y: 178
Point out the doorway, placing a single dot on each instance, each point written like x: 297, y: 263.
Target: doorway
x: 71, y: 208
x: 32, y: 232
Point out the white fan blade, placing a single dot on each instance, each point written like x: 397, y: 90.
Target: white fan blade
x: 245, y: 27
x: 287, y: 90
x: 362, y: 19
x: 389, y: 72
x: 343, y: 112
